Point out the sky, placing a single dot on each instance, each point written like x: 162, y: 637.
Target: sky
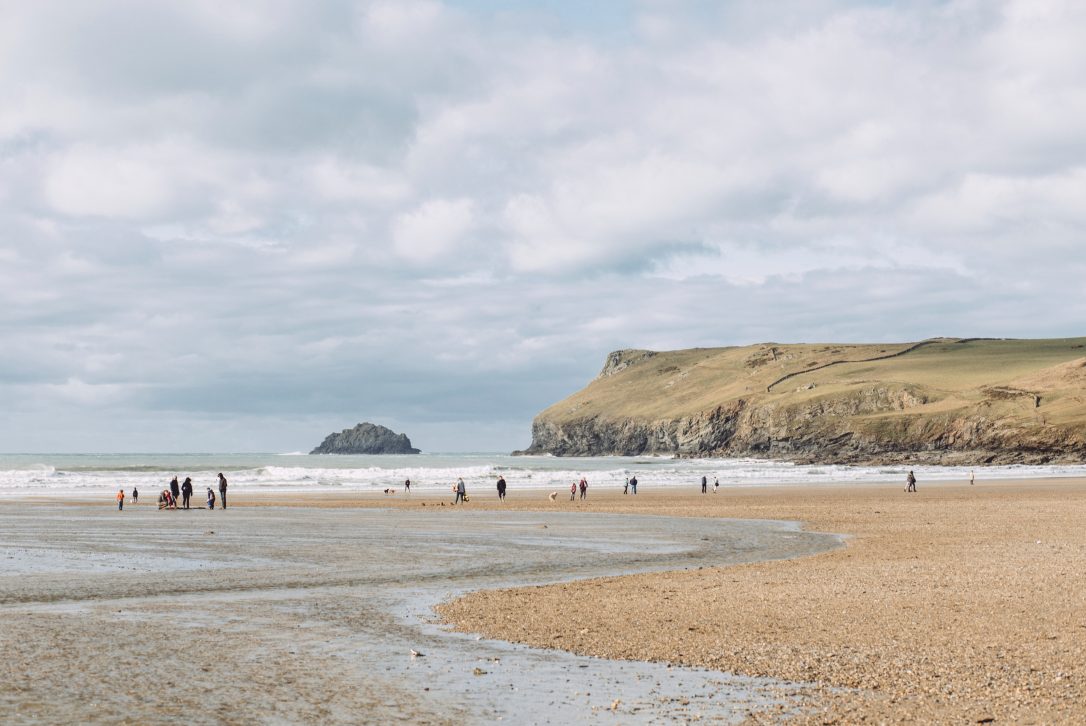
x: 242, y: 226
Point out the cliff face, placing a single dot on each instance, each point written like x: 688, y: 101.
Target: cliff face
x: 366, y: 438
x: 951, y: 402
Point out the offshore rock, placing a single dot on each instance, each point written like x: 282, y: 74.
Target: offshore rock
x: 366, y: 438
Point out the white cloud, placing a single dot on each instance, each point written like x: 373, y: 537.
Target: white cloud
x: 244, y: 211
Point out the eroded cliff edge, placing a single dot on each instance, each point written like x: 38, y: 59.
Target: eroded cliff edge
x: 949, y: 401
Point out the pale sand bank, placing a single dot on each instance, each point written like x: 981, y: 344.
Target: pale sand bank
x: 309, y: 615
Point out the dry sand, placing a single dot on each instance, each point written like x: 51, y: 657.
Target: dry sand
x: 957, y: 604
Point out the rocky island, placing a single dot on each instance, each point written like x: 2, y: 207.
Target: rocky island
x: 366, y: 438
x: 938, y: 401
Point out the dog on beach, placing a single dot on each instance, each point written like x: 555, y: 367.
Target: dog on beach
x: 553, y: 496
x: 390, y: 491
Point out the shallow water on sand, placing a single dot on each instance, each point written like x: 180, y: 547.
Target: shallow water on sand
x: 283, y: 615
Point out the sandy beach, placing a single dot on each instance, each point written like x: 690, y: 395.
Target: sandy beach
x: 956, y: 604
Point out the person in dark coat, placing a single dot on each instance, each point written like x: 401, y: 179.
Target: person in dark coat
x: 186, y: 492
x: 175, y: 488
x: 704, y: 484
x: 222, y: 490
x: 501, y: 488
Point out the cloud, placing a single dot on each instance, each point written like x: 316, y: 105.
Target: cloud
x: 267, y: 221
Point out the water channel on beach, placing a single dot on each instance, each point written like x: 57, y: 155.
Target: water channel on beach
x: 281, y: 615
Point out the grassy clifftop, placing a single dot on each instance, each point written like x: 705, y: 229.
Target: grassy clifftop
x: 948, y: 399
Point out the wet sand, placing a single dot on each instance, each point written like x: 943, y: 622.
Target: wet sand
x: 309, y: 614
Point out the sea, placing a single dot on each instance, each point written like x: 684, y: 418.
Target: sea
x: 84, y: 475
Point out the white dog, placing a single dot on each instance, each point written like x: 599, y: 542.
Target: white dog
x: 553, y: 496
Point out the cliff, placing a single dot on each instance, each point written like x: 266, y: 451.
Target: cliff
x: 949, y: 401
x: 366, y: 438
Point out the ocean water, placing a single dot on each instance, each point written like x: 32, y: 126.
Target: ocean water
x: 59, y: 474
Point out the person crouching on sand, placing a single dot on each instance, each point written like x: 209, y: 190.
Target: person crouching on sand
x: 120, y: 499
x: 210, y: 498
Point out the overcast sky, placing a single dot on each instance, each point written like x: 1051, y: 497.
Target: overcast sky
x: 238, y: 226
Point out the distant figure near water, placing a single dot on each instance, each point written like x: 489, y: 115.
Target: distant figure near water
x: 175, y: 489
x: 406, y: 486
x: 120, y: 499
x: 626, y: 488
x: 222, y: 489
x: 970, y: 478
x: 210, y: 498
x: 501, y: 488
x: 704, y: 484
x: 135, y: 495
x: 461, y: 491
x: 716, y: 484
x: 584, y: 487
x: 573, y: 491
x: 633, y: 485
x: 910, y: 483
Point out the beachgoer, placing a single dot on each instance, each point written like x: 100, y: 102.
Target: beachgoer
x: 120, y: 499
x: 633, y: 485
x: 910, y: 483
x: 970, y: 478
x: 626, y: 488
x: 716, y: 484
x: 222, y: 489
x: 704, y: 484
x: 572, y: 491
x: 163, y: 497
x: 461, y: 491
x: 210, y: 498
x: 135, y: 495
x: 186, y: 492
x: 406, y: 486
x: 501, y: 487
x: 584, y: 487
x: 175, y: 488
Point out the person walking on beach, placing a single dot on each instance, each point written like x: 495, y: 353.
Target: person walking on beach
x: 970, y: 478
x: 584, y: 487
x: 135, y: 495
x: 716, y: 484
x: 210, y: 498
x: 222, y: 489
x: 406, y: 486
x: 704, y: 484
x: 120, y: 499
x: 186, y: 492
x: 461, y: 491
x: 910, y: 483
x: 572, y: 491
x: 633, y: 485
x: 626, y: 488
x: 175, y: 489
x: 501, y: 487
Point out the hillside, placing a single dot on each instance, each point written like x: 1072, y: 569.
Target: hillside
x: 937, y: 401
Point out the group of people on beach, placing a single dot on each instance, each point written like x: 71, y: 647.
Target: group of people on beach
x: 705, y: 484
x: 168, y: 498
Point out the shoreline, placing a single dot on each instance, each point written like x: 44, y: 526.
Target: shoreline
x: 530, y: 496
